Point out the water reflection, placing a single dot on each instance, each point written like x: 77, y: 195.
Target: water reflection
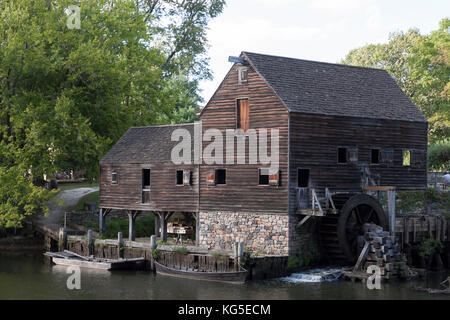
x: 31, y: 276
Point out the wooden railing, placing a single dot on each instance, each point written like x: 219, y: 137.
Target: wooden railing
x: 309, y: 199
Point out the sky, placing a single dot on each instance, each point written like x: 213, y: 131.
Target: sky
x: 320, y: 30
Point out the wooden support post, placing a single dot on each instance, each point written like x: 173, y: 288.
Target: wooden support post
x: 444, y: 229
x: 101, y: 222
x: 164, y: 217
x: 240, y: 252
x: 391, y: 210
x: 430, y: 229
x: 62, y: 241
x: 102, y: 219
x: 163, y: 223
x: 406, y: 231
x: 157, y: 225
x: 132, y: 224
x: 90, y: 242
x: 120, y: 248
x: 153, y: 246
x: 153, y: 243
x: 414, y: 230
x: 438, y: 228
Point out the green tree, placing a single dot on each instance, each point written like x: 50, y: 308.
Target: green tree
x: 67, y: 95
x: 420, y: 65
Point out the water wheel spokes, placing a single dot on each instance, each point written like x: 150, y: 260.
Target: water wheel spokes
x: 357, y: 211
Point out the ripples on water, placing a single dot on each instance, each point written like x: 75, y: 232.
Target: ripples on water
x: 316, y: 275
x: 30, y: 276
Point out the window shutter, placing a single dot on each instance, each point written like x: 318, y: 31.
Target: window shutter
x: 274, y: 179
x: 211, y: 178
x: 353, y: 155
x: 187, y: 177
x: 387, y: 156
x: 243, y: 115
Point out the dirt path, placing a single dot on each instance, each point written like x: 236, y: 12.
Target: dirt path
x: 55, y: 218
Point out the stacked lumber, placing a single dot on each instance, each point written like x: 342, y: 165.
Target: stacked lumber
x: 384, y: 252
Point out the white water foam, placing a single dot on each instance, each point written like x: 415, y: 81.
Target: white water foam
x: 316, y: 275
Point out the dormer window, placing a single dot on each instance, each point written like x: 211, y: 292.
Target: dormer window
x: 242, y: 75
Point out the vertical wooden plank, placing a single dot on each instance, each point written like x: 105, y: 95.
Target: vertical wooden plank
x: 406, y: 230
x: 438, y: 227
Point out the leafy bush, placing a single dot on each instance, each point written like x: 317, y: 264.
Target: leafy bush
x: 439, y: 156
x: 301, y: 259
x: 19, y: 198
x: 428, y: 247
x: 156, y: 254
x: 145, y: 227
x: 411, y: 201
x: 219, y: 255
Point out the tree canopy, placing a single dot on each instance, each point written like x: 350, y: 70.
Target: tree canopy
x: 421, y: 67
x: 66, y: 95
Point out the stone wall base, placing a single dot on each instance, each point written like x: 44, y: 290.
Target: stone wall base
x: 261, y: 233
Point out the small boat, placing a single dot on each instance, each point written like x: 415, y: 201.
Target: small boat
x: 235, y: 277
x: 68, y: 258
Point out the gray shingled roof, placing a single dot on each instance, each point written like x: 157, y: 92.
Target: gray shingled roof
x: 334, y: 89
x: 146, y: 145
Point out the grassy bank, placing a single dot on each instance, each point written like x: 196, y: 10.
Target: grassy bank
x: 145, y: 227
x: 90, y: 197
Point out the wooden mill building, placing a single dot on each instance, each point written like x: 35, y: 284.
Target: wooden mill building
x: 340, y: 128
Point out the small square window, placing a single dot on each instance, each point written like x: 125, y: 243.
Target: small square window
x: 342, y: 155
x: 243, y: 76
x: 406, y: 158
x: 221, y: 176
x: 115, y: 177
x: 375, y: 156
x: 264, y: 176
x: 180, y: 177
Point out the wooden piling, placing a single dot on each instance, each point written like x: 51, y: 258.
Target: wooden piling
x: 62, y: 241
x: 153, y: 246
x: 120, y: 247
x: 90, y: 242
x: 240, y: 252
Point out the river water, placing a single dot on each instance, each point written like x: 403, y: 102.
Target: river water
x: 31, y: 276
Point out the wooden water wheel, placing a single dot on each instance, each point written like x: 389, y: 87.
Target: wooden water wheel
x: 339, y: 233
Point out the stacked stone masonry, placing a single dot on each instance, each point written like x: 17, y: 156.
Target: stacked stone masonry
x: 261, y: 233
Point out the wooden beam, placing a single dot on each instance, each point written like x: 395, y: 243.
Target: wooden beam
x: 391, y: 209
x: 362, y: 257
x: 302, y: 221
x: 378, y: 188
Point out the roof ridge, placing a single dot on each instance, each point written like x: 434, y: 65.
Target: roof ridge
x: 163, y: 125
x: 314, y: 61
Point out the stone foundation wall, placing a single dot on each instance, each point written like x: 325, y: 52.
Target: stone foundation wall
x: 261, y: 233
x: 269, y: 234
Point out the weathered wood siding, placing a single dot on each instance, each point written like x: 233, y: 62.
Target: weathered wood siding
x: 314, y: 143
x: 242, y: 192
x: 165, y: 195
